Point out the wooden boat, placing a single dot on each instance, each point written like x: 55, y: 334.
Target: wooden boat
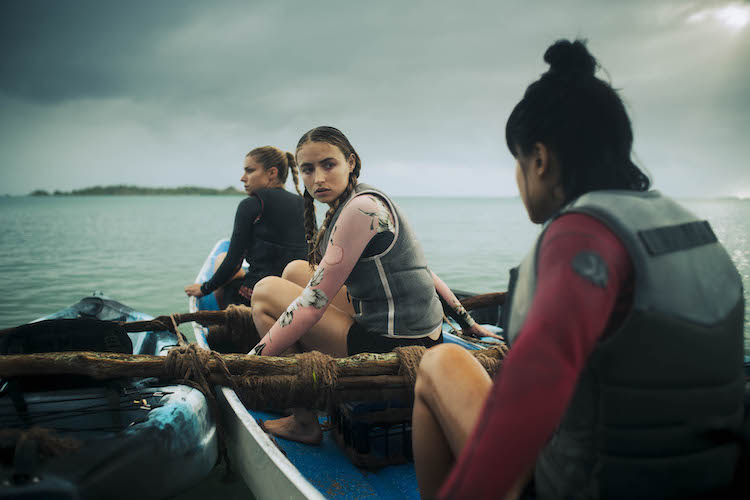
x: 285, y: 469
x: 136, y: 438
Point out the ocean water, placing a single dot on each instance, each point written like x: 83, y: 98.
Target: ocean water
x: 143, y: 250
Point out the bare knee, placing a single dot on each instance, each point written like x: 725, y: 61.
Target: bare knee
x: 219, y: 259
x: 297, y: 271
x: 433, y: 365
x: 263, y: 291
x: 437, y: 358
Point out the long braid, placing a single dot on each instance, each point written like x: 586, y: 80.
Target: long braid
x: 311, y: 227
x: 334, y: 137
x: 292, y: 163
x: 329, y: 214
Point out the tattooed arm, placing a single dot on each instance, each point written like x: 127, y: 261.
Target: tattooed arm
x: 361, y: 219
x: 454, y: 309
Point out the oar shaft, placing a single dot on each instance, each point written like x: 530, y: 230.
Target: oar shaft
x: 484, y: 300
x: 164, y: 322
x: 218, y: 317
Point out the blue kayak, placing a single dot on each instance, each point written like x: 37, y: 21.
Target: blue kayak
x: 280, y: 468
x: 135, y: 438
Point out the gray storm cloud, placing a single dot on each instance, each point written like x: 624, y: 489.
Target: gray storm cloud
x: 174, y: 93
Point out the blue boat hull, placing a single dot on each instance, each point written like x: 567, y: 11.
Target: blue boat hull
x: 139, y: 438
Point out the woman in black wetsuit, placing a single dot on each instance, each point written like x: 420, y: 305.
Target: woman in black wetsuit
x: 268, y: 229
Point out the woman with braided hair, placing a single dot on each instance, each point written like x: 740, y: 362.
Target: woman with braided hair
x: 268, y: 229
x: 365, y: 287
x: 624, y: 377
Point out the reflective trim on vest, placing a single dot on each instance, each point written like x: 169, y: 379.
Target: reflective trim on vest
x: 388, y: 296
x: 393, y: 292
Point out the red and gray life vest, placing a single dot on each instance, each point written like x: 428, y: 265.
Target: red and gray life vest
x: 659, y: 406
x: 393, y: 292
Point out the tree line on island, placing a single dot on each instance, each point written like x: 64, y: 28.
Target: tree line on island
x: 137, y: 190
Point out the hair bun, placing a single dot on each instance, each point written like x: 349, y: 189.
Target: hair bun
x: 570, y: 58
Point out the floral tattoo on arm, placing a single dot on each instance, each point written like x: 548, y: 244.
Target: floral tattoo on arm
x: 333, y: 232
x: 381, y: 215
x: 314, y: 297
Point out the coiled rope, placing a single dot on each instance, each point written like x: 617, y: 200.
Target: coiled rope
x: 188, y: 364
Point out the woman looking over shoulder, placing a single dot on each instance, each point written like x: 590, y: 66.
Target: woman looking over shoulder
x: 370, y: 292
x: 624, y: 377
x: 268, y: 229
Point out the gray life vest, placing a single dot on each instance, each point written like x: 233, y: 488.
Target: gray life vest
x: 658, y: 407
x: 393, y: 292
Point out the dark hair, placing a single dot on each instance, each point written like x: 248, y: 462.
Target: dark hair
x: 334, y: 137
x: 269, y: 157
x: 581, y: 119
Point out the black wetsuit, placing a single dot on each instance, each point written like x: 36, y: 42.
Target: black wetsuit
x: 269, y: 233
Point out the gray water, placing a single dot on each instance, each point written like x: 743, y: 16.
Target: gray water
x: 143, y: 250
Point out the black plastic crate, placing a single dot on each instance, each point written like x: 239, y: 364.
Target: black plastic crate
x: 373, y: 435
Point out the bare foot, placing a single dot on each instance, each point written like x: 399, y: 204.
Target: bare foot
x: 302, y: 426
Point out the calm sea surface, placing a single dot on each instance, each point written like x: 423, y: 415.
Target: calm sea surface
x: 143, y: 250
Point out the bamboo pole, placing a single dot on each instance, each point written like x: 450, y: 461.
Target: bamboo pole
x: 484, y: 300
x: 105, y: 365
x: 218, y: 317
x: 164, y: 322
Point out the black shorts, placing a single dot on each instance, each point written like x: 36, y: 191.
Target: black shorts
x: 360, y: 340
x: 232, y: 294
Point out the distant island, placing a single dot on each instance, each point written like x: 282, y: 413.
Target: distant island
x: 123, y: 190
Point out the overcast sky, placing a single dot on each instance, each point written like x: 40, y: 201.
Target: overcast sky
x: 173, y: 93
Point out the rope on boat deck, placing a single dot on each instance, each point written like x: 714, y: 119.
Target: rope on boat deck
x: 410, y: 357
x: 317, y: 376
x: 311, y: 387
x: 188, y: 364
x: 159, y: 324
x: 237, y: 334
x: 181, y: 339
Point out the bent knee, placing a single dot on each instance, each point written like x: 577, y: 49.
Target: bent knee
x: 436, y: 359
x: 297, y: 270
x: 218, y: 260
x: 264, y: 290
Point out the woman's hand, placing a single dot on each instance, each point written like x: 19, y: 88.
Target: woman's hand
x: 478, y: 331
x: 194, y: 290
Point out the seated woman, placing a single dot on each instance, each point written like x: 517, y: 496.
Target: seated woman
x: 624, y: 377
x: 268, y: 229
x: 390, y: 297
